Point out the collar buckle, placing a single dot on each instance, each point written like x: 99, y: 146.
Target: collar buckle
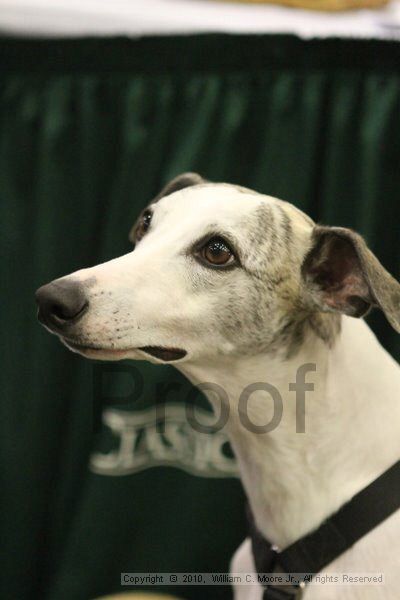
x: 283, y: 592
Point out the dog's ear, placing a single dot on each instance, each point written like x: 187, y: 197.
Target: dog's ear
x: 343, y: 275
x: 179, y: 183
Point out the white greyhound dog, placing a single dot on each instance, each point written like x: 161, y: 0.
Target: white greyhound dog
x: 235, y: 288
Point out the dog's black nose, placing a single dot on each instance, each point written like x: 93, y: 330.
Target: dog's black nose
x: 61, y: 303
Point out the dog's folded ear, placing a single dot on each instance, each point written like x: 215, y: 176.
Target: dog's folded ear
x: 341, y: 274
x: 179, y: 183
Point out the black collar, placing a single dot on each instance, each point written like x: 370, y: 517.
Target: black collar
x: 310, y: 554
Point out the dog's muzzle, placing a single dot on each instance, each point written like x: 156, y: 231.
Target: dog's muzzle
x: 61, y: 304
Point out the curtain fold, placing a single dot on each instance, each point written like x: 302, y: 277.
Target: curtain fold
x: 89, y: 132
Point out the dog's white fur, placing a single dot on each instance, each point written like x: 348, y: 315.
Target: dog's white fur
x: 352, y: 435
x: 159, y: 295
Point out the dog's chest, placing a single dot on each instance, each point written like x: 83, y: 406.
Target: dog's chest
x: 377, y: 553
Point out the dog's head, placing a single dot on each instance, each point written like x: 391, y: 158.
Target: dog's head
x: 216, y: 270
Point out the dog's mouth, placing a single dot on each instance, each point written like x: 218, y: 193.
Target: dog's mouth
x: 163, y: 353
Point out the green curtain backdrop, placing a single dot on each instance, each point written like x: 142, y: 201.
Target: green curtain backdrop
x: 89, y: 131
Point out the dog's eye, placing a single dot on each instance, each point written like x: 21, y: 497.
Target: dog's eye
x: 143, y: 225
x: 217, y: 252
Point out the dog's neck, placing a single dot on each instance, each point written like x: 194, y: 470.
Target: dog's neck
x: 295, y: 480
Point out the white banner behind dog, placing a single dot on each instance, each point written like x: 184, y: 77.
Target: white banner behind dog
x: 57, y: 18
